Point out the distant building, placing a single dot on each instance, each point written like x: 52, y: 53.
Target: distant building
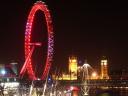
x: 73, y: 62
x: 124, y: 74
x: 84, y: 72
x: 72, y: 70
x: 8, y: 72
x: 104, y: 69
x: 9, y: 81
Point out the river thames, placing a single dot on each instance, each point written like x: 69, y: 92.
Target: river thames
x: 122, y: 91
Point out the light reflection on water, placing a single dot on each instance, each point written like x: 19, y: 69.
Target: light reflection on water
x: 109, y: 92
x: 106, y: 92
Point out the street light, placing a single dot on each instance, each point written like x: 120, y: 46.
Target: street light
x: 3, y: 72
x: 94, y: 75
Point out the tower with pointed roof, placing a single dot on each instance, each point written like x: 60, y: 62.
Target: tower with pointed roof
x: 104, y: 68
x: 73, y: 67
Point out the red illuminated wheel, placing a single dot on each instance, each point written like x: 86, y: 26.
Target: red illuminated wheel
x: 38, y: 6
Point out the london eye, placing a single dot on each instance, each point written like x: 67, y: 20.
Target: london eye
x: 30, y: 46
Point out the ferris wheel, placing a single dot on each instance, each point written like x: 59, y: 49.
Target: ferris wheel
x: 30, y: 46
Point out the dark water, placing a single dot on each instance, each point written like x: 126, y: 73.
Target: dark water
x: 117, y: 91
x: 109, y: 92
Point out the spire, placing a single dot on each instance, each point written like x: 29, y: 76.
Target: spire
x: 104, y: 57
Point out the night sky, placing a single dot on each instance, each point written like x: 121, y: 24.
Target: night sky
x: 84, y: 28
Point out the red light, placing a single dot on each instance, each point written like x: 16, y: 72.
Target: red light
x: 39, y: 5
